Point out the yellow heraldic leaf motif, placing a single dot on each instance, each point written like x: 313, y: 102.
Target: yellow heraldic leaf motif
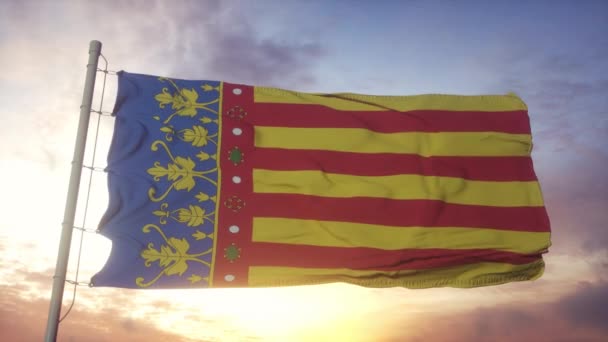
x: 164, y: 98
x: 193, y: 216
x: 180, y: 173
x: 200, y: 235
x: 178, y: 260
x: 197, y: 136
x: 202, y: 197
x: 183, y: 101
x: 195, y: 279
x: 202, y: 156
x: 173, y: 257
x: 190, y: 95
x: 162, y: 214
x: 169, y: 132
x: 186, y: 172
x: 166, y: 129
x: 209, y: 87
x: 186, y: 103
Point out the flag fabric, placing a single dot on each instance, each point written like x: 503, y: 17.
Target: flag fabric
x: 214, y: 184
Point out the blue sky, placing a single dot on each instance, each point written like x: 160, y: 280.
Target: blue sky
x: 553, y: 54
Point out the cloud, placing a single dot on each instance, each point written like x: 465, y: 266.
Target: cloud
x: 44, y: 47
x: 43, y: 278
x: 587, y: 307
x: 217, y: 40
x: 24, y: 319
x: 565, y: 92
x: 575, y: 190
x: 242, y: 58
x: 579, y: 316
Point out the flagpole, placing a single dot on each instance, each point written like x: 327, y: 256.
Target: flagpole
x: 72, y: 198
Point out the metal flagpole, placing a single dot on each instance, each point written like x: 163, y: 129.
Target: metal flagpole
x: 72, y: 198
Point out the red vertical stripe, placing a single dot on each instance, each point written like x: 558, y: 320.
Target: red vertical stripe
x: 237, y: 104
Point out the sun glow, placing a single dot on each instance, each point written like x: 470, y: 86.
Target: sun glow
x: 327, y: 312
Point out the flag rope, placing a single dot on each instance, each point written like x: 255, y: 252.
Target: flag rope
x: 63, y: 253
x: 78, y: 283
x: 106, y: 71
x: 94, y: 168
x: 86, y: 230
x: 91, y: 169
x: 102, y: 113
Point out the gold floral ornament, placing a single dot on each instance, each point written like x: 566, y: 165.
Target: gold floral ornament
x: 202, y: 197
x: 209, y: 87
x: 202, y: 156
x: 198, y: 136
x: 193, y: 216
x: 169, y: 132
x: 196, y: 278
x: 183, y: 101
x: 198, y: 235
x: 180, y: 172
x: 172, y: 257
x: 207, y: 120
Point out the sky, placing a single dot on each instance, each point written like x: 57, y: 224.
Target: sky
x: 553, y: 54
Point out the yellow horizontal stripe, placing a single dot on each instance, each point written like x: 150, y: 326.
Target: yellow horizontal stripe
x: 349, y: 234
x: 472, y: 275
x: 404, y: 187
x: 425, y: 144
x: 355, y: 102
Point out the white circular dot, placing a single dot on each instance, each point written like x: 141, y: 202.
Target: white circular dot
x: 237, y: 91
x: 237, y: 131
x: 229, y: 277
x: 234, y: 229
x: 236, y: 179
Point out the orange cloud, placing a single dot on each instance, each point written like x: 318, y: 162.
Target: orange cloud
x: 579, y: 316
x: 25, y: 320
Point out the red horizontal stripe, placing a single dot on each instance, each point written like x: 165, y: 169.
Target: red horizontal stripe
x: 382, y: 164
x: 316, y: 116
x: 399, y: 213
x: 265, y: 254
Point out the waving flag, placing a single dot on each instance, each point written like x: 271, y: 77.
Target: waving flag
x: 214, y: 184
